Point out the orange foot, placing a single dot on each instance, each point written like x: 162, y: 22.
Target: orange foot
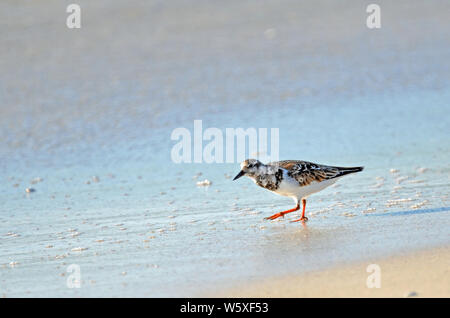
x: 303, y: 219
x: 277, y: 215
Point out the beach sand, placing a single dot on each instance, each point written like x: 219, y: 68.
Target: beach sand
x: 421, y: 274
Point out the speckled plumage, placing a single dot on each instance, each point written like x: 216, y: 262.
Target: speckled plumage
x: 293, y: 178
x: 306, y: 172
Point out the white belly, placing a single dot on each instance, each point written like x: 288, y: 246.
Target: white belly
x: 289, y: 187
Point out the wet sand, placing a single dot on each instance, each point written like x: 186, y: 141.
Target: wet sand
x: 421, y: 274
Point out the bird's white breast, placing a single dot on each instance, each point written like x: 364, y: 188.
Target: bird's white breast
x: 290, y: 187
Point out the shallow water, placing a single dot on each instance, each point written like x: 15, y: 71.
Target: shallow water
x: 90, y: 113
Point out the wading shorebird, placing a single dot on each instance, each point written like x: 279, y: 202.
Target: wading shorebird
x: 293, y: 178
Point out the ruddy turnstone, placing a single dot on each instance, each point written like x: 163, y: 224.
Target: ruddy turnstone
x: 293, y: 178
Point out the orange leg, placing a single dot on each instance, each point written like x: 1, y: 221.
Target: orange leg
x: 277, y: 215
x: 303, y: 218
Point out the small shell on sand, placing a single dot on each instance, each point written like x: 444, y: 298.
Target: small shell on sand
x: 401, y: 179
x: 395, y: 202
x: 79, y: 249
x: 419, y: 205
x: 422, y: 170
x: 415, y: 181
x: 369, y: 210
x: 204, y: 183
x: 377, y: 185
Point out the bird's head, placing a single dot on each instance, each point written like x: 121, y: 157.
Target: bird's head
x: 250, y: 168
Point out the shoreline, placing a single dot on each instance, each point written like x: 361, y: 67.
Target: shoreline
x: 417, y: 274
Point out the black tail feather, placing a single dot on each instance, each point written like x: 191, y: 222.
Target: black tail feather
x: 343, y: 170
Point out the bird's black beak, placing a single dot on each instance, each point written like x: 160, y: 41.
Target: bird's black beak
x: 240, y: 174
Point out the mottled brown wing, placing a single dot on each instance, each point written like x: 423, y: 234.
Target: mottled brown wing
x: 306, y: 172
